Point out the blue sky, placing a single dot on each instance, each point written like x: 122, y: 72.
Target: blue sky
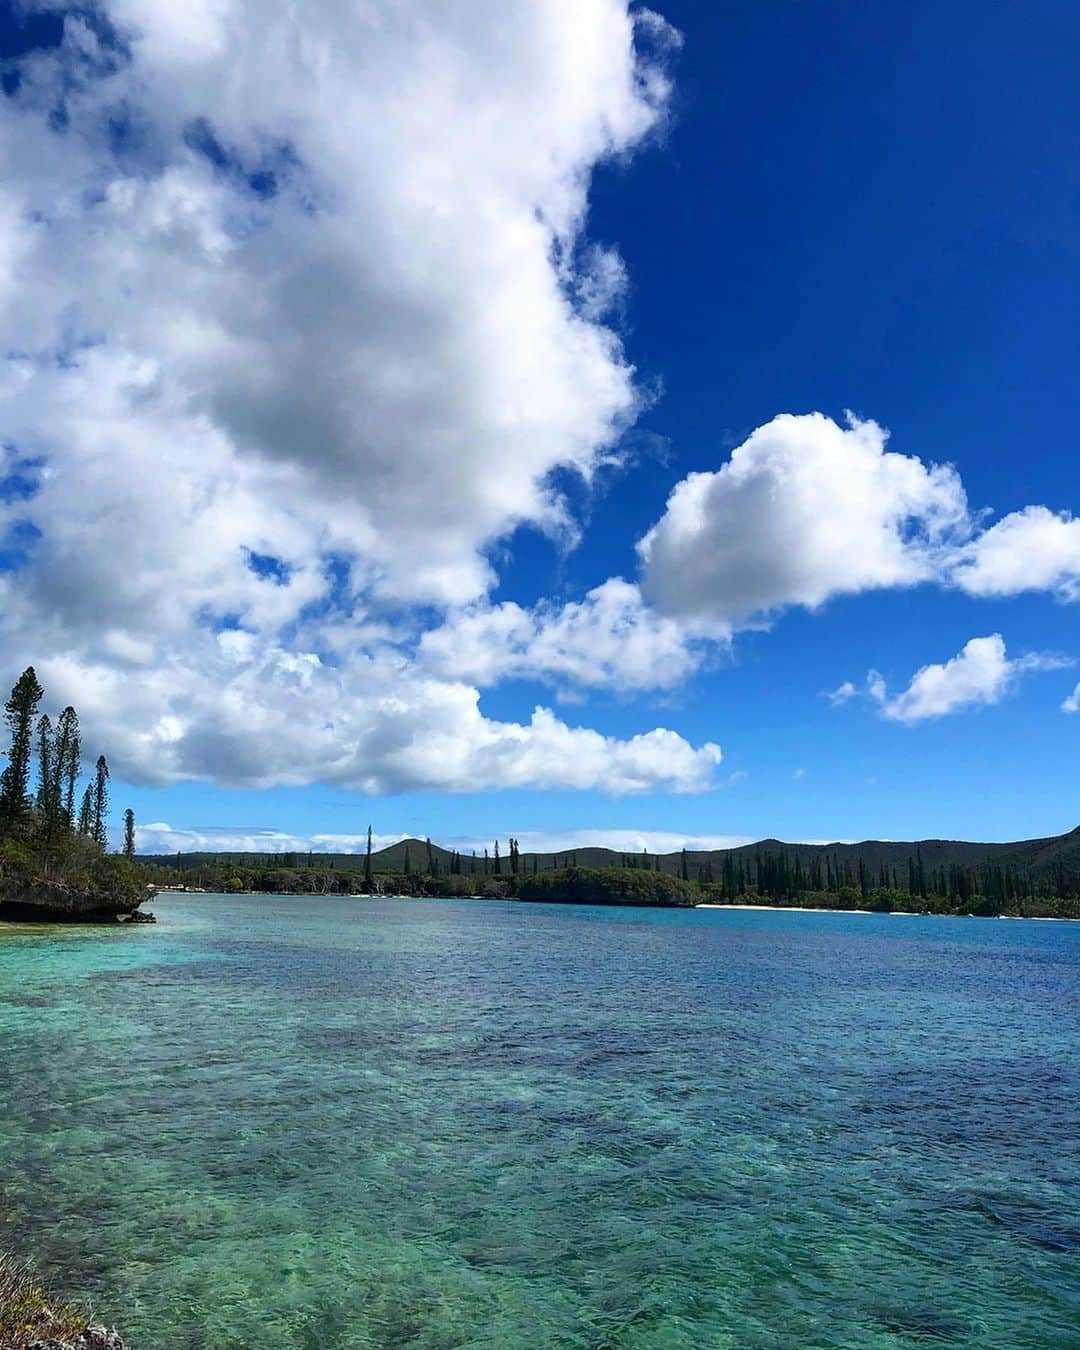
x: 817, y: 209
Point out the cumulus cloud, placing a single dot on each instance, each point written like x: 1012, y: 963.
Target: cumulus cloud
x: 1072, y: 703
x: 261, y: 717
x: 804, y: 509
x: 611, y: 639
x: 980, y: 674
x: 299, y: 316
x: 1031, y: 550
x: 286, y: 235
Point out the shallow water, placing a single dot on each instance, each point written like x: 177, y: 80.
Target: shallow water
x: 305, y: 1122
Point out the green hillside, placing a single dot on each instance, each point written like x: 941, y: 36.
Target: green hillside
x: 1037, y: 858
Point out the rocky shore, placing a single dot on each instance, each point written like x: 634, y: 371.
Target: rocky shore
x: 31, y: 1319
x: 59, y: 902
x: 95, y: 1337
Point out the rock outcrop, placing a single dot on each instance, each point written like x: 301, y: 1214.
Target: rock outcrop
x: 59, y: 902
x: 93, y: 1338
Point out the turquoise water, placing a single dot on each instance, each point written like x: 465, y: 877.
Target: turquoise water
x: 306, y: 1122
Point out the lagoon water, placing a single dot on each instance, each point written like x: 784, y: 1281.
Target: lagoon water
x: 365, y: 1123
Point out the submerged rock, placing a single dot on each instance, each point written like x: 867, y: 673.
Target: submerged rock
x: 922, y: 1324
x: 95, y: 1337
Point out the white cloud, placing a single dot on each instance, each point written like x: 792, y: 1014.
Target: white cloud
x: 372, y: 723
x: 1072, y: 703
x: 842, y: 694
x: 875, y: 685
x: 1030, y: 550
x: 803, y: 510
x: 299, y: 317
x: 620, y: 840
x: 611, y: 639
x: 979, y: 675
x: 321, y: 350
x: 160, y: 837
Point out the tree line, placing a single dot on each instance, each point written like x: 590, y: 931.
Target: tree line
x: 781, y: 874
x: 765, y: 876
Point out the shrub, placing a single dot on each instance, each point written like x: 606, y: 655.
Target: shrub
x: 27, y: 1313
x: 606, y: 886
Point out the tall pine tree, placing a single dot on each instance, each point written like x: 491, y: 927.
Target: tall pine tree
x: 46, y: 753
x: 66, y: 766
x: 71, y: 770
x: 86, y: 811
x: 101, y: 801
x: 19, y: 713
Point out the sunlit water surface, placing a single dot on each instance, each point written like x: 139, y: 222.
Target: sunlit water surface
x: 304, y: 1122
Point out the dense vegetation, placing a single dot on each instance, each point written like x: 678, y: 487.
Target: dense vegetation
x: 779, y: 876
x: 607, y: 886
x: 766, y: 875
x: 52, y: 854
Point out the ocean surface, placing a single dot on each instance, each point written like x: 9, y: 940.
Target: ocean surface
x: 341, y: 1123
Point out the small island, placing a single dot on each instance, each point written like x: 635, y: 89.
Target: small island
x: 54, y: 863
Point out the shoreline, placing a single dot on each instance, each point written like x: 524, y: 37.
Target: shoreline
x: 12, y: 923
x: 821, y: 909
x: 783, y: 909
x: 888, y: 913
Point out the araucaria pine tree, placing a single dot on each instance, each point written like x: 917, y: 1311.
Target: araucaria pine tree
x: 19, y: 713
x: 70, y: 746
x: 101, y: 801
x: 65, y: 767
x: 46, y: 751
x: 129, y: 833
x: 367, y: 857
x: 86, y: 811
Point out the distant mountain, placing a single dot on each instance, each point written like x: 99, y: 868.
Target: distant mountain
x: 1035, y: 857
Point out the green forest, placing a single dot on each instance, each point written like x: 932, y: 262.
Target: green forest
x: 53, y: 830
x: 764, y: 875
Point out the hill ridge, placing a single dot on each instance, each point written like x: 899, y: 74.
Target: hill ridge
x: 1041, y: 856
